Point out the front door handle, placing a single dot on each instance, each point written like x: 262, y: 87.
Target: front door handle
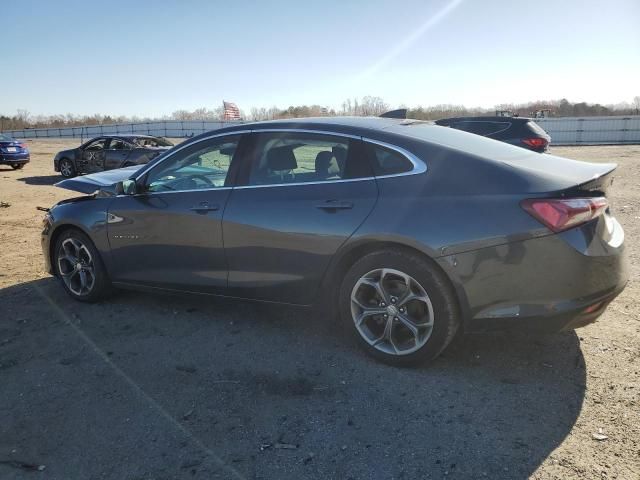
x: 204, y: 207
x: 334, y: 205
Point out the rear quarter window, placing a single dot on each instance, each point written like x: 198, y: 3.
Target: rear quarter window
x: 388, y: 162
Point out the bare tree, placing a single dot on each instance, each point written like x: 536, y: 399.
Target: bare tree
x: 636, y: 104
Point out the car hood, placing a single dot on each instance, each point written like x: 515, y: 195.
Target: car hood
x: 66, y: 153
x: 96, y: 181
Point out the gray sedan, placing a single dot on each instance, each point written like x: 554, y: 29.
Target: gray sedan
x: 406, y: 230
x: 109, y: 152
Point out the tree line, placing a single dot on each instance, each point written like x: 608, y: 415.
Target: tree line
x: 365, y: 106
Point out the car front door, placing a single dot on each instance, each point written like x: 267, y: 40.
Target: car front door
x: 93, y: 155
x: 299, y: 197
x: 116, y: 154
x: 169, y: 233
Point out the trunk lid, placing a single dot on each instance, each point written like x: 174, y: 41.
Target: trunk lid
x: 90, y: 183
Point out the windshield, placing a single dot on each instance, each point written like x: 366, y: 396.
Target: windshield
x: 6, y: 138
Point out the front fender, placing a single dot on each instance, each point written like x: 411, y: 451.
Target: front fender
x: 87, y: 214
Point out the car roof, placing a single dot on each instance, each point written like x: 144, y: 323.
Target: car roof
x: 371, y: 123
x: 124, y: 135
x: 345, y: 125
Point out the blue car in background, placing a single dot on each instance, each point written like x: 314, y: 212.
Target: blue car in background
x: 13, y: 152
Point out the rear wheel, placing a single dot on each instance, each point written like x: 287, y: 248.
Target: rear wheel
x: 17, y: 166
x: 67, y: 168
x: 399, y: 306
x: 79, y: 266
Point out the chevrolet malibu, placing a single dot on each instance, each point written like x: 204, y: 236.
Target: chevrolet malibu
x: 412, y: 231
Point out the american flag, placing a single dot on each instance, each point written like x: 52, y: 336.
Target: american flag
x: 231, y: 111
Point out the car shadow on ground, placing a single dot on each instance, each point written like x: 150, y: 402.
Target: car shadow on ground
x: 42, y: 180
x: 199, y: 387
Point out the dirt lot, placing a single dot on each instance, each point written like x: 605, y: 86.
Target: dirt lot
x: 159, y: 387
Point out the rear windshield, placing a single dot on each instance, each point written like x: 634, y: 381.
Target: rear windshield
x: 480, y: 127
x: 534, y: 127
x: 5, y: 138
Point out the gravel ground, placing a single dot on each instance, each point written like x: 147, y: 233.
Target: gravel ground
x: 162, y: 387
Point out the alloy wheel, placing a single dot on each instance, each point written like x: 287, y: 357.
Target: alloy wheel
x: 75, y: 265
x: 392, y: 311
x: 66, y: 169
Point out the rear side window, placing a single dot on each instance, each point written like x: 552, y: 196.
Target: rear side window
x: 296, y: 157
x: 481, y: 128
x: 388, y: 162
x: 117, y: 144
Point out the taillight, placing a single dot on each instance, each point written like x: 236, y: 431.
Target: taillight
x: 563, y: 213
x: 22, y: 145
x: 536, y: 142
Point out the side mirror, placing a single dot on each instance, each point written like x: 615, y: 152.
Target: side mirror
x: 126, y: 187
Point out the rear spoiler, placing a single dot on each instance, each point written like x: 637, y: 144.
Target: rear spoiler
x: 399, y: 113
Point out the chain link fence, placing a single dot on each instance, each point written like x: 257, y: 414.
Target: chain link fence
x: 563, y: 131
x: 592, y: 130
x: 162, y: 128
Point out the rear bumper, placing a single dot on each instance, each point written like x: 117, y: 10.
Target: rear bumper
x: 575, y: 314
x: 10, y: 159
x: 551, y: 283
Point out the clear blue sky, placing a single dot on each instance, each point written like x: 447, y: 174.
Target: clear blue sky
x: 150, y: 58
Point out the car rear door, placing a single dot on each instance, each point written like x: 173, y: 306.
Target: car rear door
x: 116, y: 154
x: 300, y: 196
x: 169, y: 234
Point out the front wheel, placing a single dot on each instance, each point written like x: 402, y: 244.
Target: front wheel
x: 400, y: 307
x: 67, y: 168
x: 79, y: 266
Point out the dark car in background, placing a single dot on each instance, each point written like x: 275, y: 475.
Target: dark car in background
x: 108, y: 152
x: 519, y: 131
x: 411, y: 230
x: 13, y: 152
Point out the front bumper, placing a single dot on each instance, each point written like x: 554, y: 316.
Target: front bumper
x: 551, y: 283
x: 45, y: 242
x: 14, y: 158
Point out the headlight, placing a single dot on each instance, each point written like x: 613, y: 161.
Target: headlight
x: 47, y: 220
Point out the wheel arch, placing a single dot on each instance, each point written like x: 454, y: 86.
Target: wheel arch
x: 72, y: 160
x: 55, y: 235
x: 348, y: 255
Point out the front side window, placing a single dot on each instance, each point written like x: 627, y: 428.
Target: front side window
x: 292, y: 157
x: 204, y: 165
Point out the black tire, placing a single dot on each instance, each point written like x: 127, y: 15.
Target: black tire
x: 17, y: 166
x: 69, y: 172
x: 101, y: 285
x: 445, y: 309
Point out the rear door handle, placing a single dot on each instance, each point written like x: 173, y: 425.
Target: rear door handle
x: 334, y: 205
x: 204, y: 207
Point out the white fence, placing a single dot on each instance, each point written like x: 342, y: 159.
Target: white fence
x: 592, y: 130
x: 563, y: 131
x: 162, y: 128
